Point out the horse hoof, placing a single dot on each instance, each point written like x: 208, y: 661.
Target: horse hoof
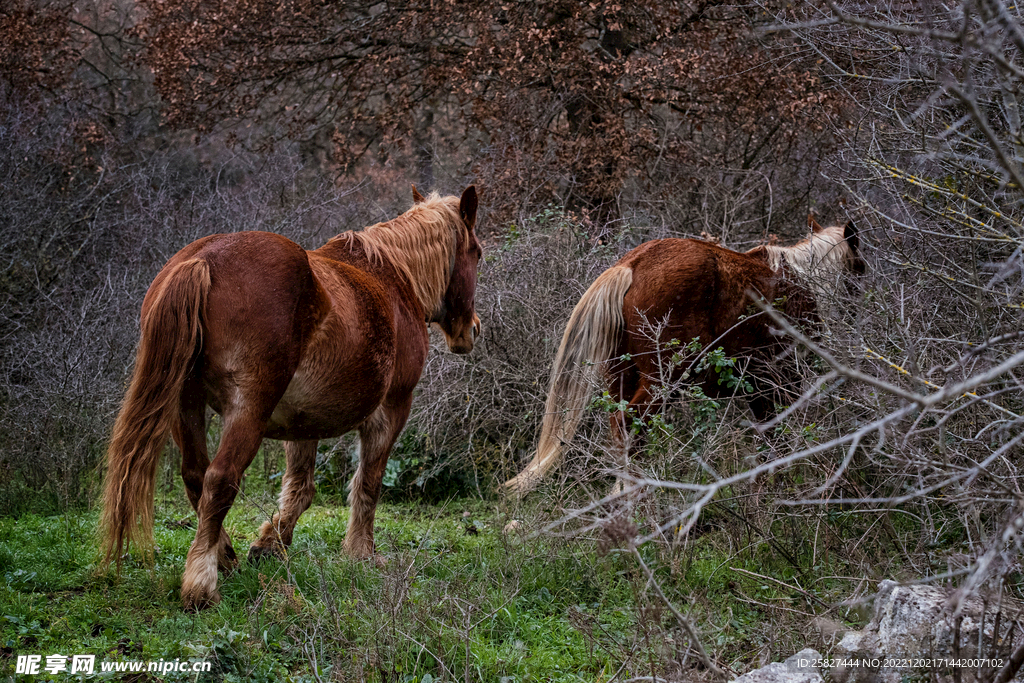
x: 196, y: 602
x: 359, y: 548
x: 259, y: 553
x: 379, y: 561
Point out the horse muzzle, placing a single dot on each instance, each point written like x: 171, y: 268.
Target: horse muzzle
x: 465, y: 341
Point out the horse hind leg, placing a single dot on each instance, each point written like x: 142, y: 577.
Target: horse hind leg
x: 625, y: 381
x: 628, y: 432
x: 189, y: 432
x: 376, y: 437
x: 297, y: 491
x: 239, y: 443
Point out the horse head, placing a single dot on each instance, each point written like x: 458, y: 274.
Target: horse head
x: 456, y: 317
x: 854, y: 262
x: 826, y: 255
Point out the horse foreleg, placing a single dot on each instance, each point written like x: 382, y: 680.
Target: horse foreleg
x: 776, y: 382
x: 376, y: 436
x: 189, y: 432
x: 297, y: 490
x: 238, y: 446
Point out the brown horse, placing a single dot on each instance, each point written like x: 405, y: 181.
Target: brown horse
x: 697, y: 290
x: 285, y: 344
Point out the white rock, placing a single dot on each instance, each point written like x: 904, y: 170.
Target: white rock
x: 800, y: 668
x: 916, y: 622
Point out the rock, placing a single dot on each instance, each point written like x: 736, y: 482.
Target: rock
x: 805, y: 661
x: 800, y: 668
x: 915, y: 622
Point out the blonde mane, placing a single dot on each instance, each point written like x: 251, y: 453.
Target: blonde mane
x: 823, y: 254
x: 420, y: 244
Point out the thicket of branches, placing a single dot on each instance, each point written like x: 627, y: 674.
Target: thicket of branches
x: 935, y: 171
x: 903, y: 456
x: 674, y: 116
x: 587, y: 104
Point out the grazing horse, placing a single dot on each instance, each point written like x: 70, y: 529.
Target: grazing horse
x: 292, y: 345
x: 698, y: 290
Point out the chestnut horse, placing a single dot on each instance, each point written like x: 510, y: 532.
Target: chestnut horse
x: 697, y: 290
x: 285, y: 344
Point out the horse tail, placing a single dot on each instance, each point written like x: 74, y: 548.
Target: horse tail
x: 171, y: 336
x: 590, y: 338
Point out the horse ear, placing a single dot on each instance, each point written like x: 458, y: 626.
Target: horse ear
x: 467, y: 207
x: 850, y: 235
x: 416, y: 196
x: 813, y: 224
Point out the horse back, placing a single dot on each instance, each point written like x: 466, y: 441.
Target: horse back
x: 695, y: 289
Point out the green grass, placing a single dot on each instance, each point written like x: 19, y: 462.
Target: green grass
x: 457, y: 600
x: 447, y: 599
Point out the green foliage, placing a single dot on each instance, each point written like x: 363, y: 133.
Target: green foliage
x: 725, y: 369
x: 604, y: 402
x: 704, y: 408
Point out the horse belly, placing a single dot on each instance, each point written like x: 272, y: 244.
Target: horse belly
x: 315, y: 407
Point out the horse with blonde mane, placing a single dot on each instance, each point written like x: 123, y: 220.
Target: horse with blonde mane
x: 285, y: 344
x: 696, y: 290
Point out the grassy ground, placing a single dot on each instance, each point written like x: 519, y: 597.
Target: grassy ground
x: 458, y: 599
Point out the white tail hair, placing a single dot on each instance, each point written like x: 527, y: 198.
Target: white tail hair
x: 590, y: 338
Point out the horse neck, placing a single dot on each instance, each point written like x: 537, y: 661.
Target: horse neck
x: 823, y: 254
x: 421, y: 246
